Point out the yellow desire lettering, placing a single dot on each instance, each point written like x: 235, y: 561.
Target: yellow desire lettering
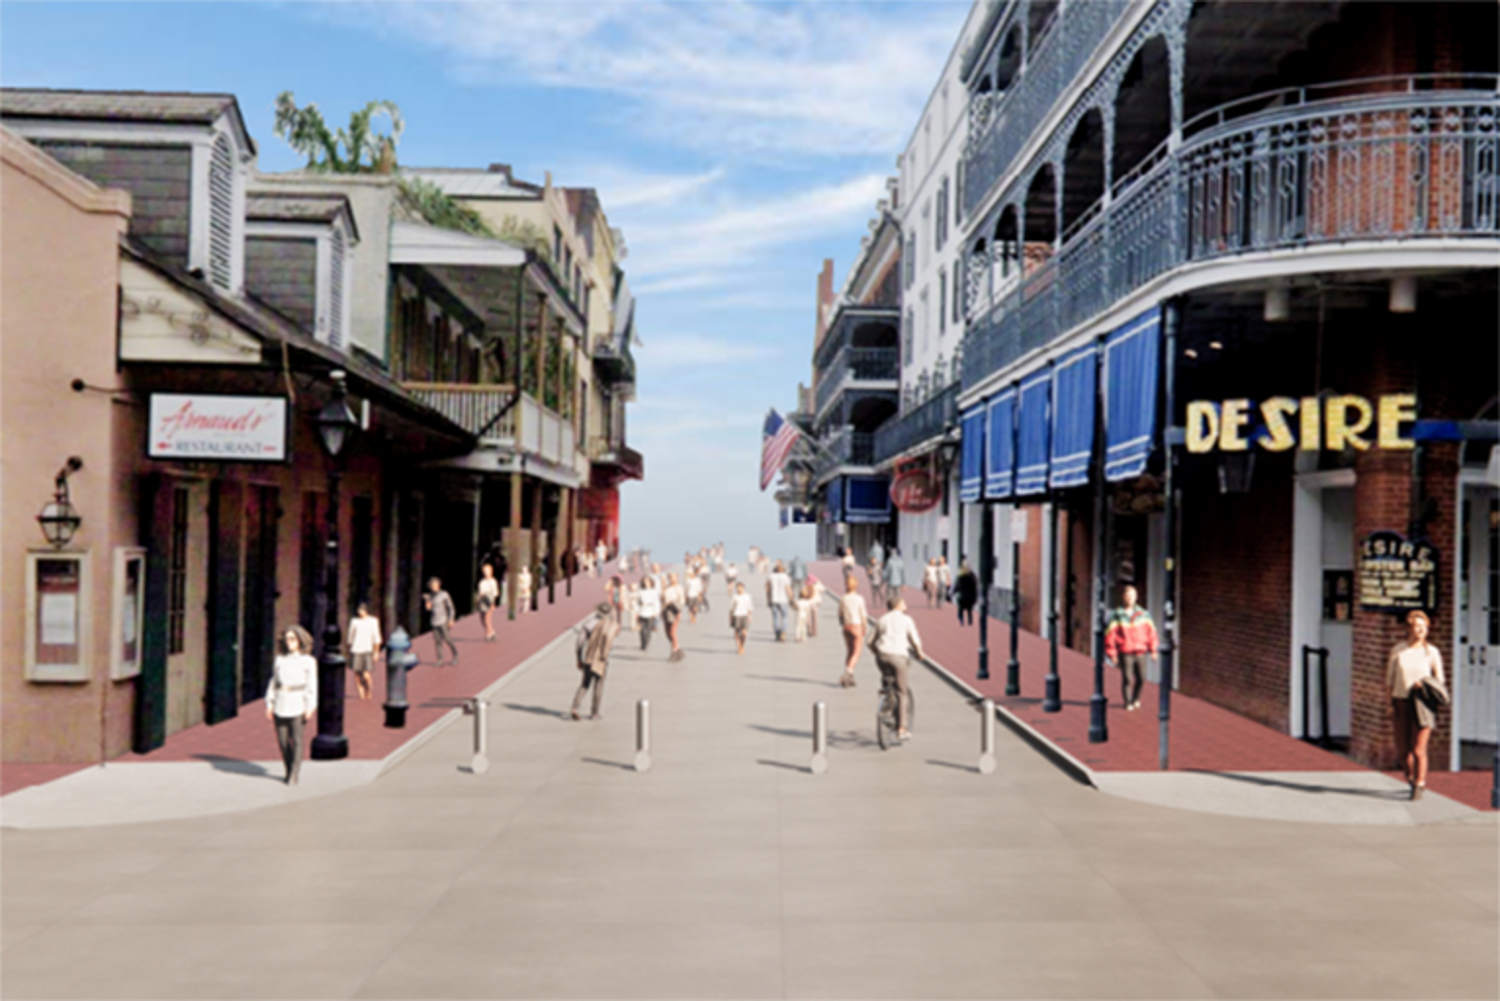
x: 1202, y: 426
x: 1276, y: 412
x: 1236, y: 416
x: 1341, y: 430
x: 1395, y: 410
x: 1311, y: 437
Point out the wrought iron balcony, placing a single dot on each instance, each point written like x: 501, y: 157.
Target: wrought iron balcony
x: 854, y: 366
x: 845, y: 447
x: 923, y: 423
x: 472, y: 407
x: 607, y: 450
x: 1295, y: 169
x: 614, y: 361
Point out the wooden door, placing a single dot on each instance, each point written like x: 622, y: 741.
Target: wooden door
x: 257, y: 644
x: 187, y: 601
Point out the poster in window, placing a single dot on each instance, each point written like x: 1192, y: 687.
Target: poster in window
x: 56, y: 616
x: 129, y: 592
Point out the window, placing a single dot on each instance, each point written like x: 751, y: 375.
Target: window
x: 177, y: 572
x: 906, y: 338
x: 958, y: 192
x: 958, y: 299
x: 910, y: 265
x: 926, y: 321
x: 221, y: 213
x: 942, y: 301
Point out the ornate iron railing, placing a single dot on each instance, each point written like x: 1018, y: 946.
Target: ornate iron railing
x: 920, y: 424
x: 845, y: 447
x: 857, y: 364
x: 1394, y: 165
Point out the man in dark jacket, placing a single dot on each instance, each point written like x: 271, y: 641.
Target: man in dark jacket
x: 594, y: 643
x: 966, y: 593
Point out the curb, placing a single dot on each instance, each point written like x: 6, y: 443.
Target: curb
x: 1070, y: 765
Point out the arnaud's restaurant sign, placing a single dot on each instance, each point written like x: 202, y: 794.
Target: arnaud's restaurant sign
x: 1309, y: 424
x: 215, y: 428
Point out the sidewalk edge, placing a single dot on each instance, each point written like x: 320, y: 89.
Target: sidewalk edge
x: 1070, y: 765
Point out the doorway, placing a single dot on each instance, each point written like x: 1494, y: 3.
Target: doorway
x: 1476, y: 676
x: 258, y: 642
x: 187, y: 598
x: 1323, y: 605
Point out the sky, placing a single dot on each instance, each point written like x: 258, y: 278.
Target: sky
x: 736, y: 145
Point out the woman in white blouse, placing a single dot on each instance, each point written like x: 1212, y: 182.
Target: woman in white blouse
x: 486, y: 597
x: 1408, y: 666
x: 854, y: 617
x: 292, y: 696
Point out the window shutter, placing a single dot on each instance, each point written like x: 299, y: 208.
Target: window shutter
x: 336, y: 289
x: 221, y: 213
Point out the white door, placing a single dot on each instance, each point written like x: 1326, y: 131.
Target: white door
x: 1336, y: 630
x: 1478, y: 673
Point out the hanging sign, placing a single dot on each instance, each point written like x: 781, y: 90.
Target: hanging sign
x: 1310, y: 423
x: 208, y: 427
x: 1396, y: 574
x: 915, y: 491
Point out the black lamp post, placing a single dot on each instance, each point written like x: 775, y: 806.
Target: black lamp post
x: 1013, y: 666
x: 335, y: 422
x: 59, y: 518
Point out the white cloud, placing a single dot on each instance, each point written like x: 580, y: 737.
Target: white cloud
x: 697, y: 351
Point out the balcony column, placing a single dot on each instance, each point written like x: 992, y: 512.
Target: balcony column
x: 1107, y: 115
x: 1176, y: 38
x: 569, y: 496
x: 536, y: 531
x: 513, y: 556
x: 552, y: 549
x: 540, y: 378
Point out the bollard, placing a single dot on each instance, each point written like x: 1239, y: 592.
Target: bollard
x: 987, y: 737
x: 819, y: 763
x: 643, y: 735
x: 477, y: 707
x: 398, y: 660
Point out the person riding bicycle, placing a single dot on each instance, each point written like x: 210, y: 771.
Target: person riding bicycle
x: 895, y: 639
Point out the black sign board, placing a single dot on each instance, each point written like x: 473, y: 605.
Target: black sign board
x: 1397, y: 574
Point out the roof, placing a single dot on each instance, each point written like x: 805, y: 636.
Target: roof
x: 419, y: 243
x: 172, y: 107
x: 474, y: 182
x: 280, y: 206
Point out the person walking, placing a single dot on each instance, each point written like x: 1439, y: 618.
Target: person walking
x: 740, y: 610
x: 672, y: 603
x: 895, y: 574
x: 875, y: 568
x: 705, y: 578
x: 817, y: 600
x: 486, y: 597
x: 854, y: 618
x: 601, y: 555
x: 797, y: 571
x: 945, y: 581
x: 966, y: 593
x: 648, y: 609
x: 292, y: 696
x: 364, y: 647
x: 731, y: 574
x: 440, y: 604
x: 779, y: 597
x: 930, y: 581
x: 594, y: 644
x: 803, y: 607
x: 895, y: 640
x: 1130, y: 638
x: 1414, y: 674
x: 523, y: 588
x: 631, y: 604
x: 848, y: 560
x: 694, y: 595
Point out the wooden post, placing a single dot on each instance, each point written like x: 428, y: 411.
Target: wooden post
x: 513, y: 555
x: 536, y: 528
x: 568, y: 500
x: 552, y: 551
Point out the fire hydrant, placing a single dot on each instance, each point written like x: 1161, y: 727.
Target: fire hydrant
x: 398, y: 660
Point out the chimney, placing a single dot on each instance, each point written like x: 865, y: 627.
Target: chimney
x: 501, y: 168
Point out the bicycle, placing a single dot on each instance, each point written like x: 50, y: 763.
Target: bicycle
x: 885, y: 712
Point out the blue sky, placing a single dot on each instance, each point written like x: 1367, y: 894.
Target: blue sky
x: 735, y: 144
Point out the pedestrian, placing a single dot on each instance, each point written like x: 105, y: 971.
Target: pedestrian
x: 440, y: 604
x: 848, y: 560
x: 694, y: 594
x: 672, y: 603
x: 601, y: 554
x: 895, y: 574
x: 648, y: 609
x: 292, y: 696
x: 705, y: 578
x: 632, y: 603
x: 966, y: 592
x: 740, y: 610
x: 817, y: 601
x: 930, y: 581
x: 804, y: 611
x: 594, y: 644
x: 523, y: 587
x: 731, y: 575
x: 854, y: 618
x: 895, y: 639
x: 486, y: 597
x: 1413, y: 670
x: 1130, y: 638
x: 875, y: 563
x: 945, y: 581
x: 779, y: 597
x: 798, y: 572
x: 364, y: 647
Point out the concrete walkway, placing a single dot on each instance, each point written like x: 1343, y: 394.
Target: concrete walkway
x: 729, y: 870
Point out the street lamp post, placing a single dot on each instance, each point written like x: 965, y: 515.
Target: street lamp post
x: 335, y: 424
x: 1013, y: 666
x: 1098, y: 705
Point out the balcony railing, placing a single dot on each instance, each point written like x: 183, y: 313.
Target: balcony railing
x: 857, y: 365
x: 1408, y: 163
x: 471, y: 407
x: 917, y: 425
x: 845, y: 447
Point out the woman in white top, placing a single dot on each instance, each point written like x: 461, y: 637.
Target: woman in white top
x: 647, y: 608
x: 945, y: 580
x: 854, y: 618
x: 731, y: 574
x: 292, y: 696
x: 364, y: 647
x: 672, y: 602
x: 848, y: 560
x: 803, y: 604
x: 523, y: 588
x: 632, y: 596
x: 694, y: 594
x: 486, y: 597
x: 1410, y: 665
x: 930, y: 582
x: 740, y: 608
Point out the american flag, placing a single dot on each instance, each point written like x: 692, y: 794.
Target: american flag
x: 776, y: 441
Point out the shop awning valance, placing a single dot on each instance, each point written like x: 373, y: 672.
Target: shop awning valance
x: 971, y: 456
x: 1131, y: 355
x: 1073, y: 417
x: 1032, y: 413
x: 868, y: 500
x: 999, y: 459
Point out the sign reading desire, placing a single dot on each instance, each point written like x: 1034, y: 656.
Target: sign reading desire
x: 210, y: 427
x: 1309, y: 424
x: 1397, y: 574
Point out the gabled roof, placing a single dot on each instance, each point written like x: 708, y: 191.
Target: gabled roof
x: 171, y: 107
x: 281, y: 206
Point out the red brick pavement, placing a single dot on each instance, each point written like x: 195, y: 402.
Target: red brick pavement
x: 431, y: 692
x: 1203, y: 736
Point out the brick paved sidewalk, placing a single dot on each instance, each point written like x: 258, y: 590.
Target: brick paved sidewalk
x: 431, y: 691
x: 1203, y: 736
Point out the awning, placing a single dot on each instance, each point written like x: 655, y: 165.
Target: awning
x: 868, y: 500
x: 1073, y: 392
x: 971, y: 468
x: 999, y: 457
x: 1130, y: 363
x: 1031, y: 456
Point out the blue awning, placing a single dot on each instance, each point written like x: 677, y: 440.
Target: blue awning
x: 999, y: 458
x: 1031, y: 456
x: 1130, y: 363
x: 868, y: 500
x: 1073, y: 417
x: 835, y: 497
x: 971, y: 456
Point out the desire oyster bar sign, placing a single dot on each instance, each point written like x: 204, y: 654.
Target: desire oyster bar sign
x: 213, y: 428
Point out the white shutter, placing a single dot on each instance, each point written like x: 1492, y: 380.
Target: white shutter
x: 221, y: 214
x: 336, y: 289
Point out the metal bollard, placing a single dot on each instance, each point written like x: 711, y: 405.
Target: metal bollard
x: 477, y: 707
x: 987, y: 737
x: 819, y: 763
x: 643, y: 735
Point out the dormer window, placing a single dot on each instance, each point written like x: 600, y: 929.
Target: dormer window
x: 299, y: 250
x: 216, y: 215
x: 221, y: 214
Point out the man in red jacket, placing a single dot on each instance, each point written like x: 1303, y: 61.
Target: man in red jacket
x: 1129, y: 639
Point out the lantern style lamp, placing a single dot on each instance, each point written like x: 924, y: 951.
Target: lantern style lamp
x: 59, y: 518
x: 336, y: 421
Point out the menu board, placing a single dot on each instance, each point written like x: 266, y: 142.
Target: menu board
x: 56, y: 616
x: 1397, y: 574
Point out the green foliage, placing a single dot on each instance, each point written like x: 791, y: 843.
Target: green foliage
x: 525, y: 233
x: 358, y: 149
x: 427, y: 200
